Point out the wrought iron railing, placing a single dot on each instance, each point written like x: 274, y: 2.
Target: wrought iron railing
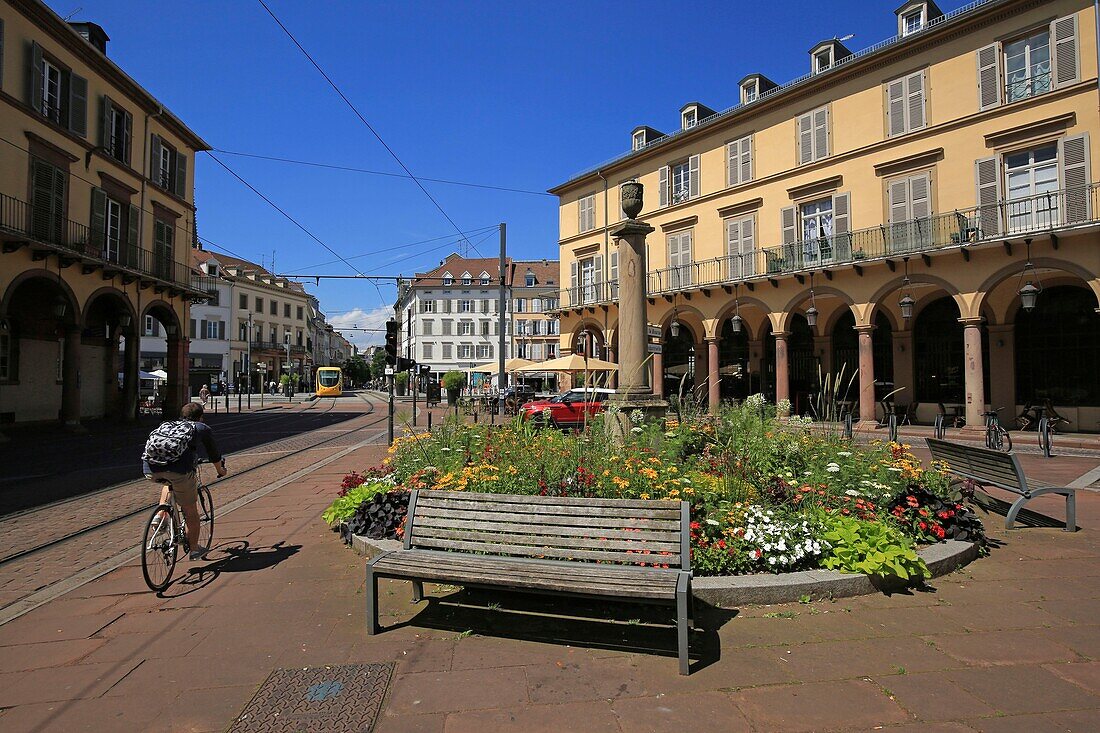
x: 1046, y: 212
x: 21, y: 219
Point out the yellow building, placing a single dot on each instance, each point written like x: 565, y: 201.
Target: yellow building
x: 96, y: 220
x: 878, y: 212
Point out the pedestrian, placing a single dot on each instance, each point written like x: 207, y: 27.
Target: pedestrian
x: 204, y: 395
x: 169, y: 458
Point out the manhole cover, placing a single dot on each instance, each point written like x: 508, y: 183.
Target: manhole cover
x: 336, y: 699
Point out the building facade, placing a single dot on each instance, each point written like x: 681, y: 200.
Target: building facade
x: 450, y: 316
x: 210, y: 328
x: 96, y: 222
x: 884, y: 213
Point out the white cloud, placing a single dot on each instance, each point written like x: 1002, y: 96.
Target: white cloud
x: 359, y: 318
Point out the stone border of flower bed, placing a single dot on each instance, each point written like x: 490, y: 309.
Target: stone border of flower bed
x: 725, y: 591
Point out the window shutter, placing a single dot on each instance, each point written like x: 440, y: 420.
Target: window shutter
x: 98, y: 221
x: 1075, y: 178
x: 733, y: 165
x: 821, y: 133
x: 485, y: 306
x: 202, y: 328
x: 693, y: 175
x: 841, y: 206
x: 788, y: 219
x: 447, y: 306
x: 78, y: 105
x: 156, y: 328
x: 191, y: 331
x: 221, y: 330
x: 133, y: 228
x: 915, y: 97
x: 898, y: 192
x: 920, y: 198
x: 746, y: 159
x: 105, y: 122
x: 733, y: 240
x: 748, y: 246
x: 34, y: 77
x: 989, y: 76
x: 1, y: 53
x: 154, y: 158
x: 574, y: 282
x: 662, y: 186
x: 127, y: 136
x: 805, y: 138
x: 446, y: 327
x: 597, y: 269
x: 1063, y: 33
x: 987, y: 173
x: 582, y: 216
x: 179, y: 181
x: 895, y: 107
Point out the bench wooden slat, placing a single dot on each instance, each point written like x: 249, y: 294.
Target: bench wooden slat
x: 658, y: 524
x: 537, y: 542
x: 427, y: 500
x: 528, y: 551
x: 663, y: 577
x: 558, y: 500
x: 552, y: 529
x: 608, y: 570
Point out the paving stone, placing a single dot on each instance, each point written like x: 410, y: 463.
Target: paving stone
x: 31, y: 630
x: 153, y: 676
x: 94, y: 716
x: 202, y: 710
x: 409, y: 724
x: 931, y: 697
x: 848, y: 659
x: 74, y: 682
x: 819, y: 706
x: 1078, y: 610
x: 663, y: 713
x: 1078, y: 721
x: 440, y: 692
x: 1085, y: 640
x: 1025, y: 646
x: 23, y: 657
x: 1082, y: 674
x: 591, y: 717
x: 1022, y: 689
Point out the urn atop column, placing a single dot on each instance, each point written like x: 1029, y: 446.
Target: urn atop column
x: 632, y: 198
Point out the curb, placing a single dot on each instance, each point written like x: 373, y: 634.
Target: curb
x: 742, y: 590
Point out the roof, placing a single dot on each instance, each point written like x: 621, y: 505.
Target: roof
x: 252, y: 267
x: 545, y: 271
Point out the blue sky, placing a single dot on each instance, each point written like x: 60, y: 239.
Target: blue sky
x: 515, y: 94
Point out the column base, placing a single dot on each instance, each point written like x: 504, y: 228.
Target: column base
x: 75, y: 428
x: 624, y: 404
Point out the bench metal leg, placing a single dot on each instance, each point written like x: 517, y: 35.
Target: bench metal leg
x: 1071, y: 511
x: 1071, y: 506
x: 682, y: 590
x: 372, y: 602
x: 418, y: 591
x: 1013, y: 510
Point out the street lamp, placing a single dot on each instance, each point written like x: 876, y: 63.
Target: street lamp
x: 811, y: 312
x: 906, y: 303
x: 1029, y: 293
x: 60, y: 307
x: 735, y: 323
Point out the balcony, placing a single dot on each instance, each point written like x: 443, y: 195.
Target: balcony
x: 277, y: 346
x: 1047, y: 213
x: 72, y: 242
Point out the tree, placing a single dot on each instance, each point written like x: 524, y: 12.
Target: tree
x: 378, y: 364
x: 357, y: 370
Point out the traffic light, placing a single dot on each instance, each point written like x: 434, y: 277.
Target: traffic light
x: 404, y: 365
x: 391, y: 342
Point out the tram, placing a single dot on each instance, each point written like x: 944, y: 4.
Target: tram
x: 330, y: 381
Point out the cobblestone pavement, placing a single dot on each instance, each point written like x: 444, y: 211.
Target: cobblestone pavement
x: 1009, y: 643
x: 50, y: 527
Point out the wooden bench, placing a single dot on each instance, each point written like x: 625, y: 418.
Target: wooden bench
x: 592, y: 548
x: 993, y: 468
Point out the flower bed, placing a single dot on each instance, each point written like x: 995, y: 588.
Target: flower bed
x: 766, y: 494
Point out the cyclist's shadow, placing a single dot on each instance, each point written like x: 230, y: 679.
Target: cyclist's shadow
x: 230, y: 557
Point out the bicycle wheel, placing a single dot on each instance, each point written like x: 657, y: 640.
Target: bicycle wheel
x: 206, y: 517
x: 1003, y: 439
x: 159, y: 548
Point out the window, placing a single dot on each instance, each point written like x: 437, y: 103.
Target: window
x: 5, y: 356
x: 905, y: 104
x: 817, y: 230
x: 530, y: 280
x: 519, y: 305
x: 466, y: 328
x: 274, y: 307
x: 750, y: 92
x: 447, y: 280
x: 912, y: 22
x: 466, y: 280
x: 446, y: 326
x: 551, y: 351
x: 300, y: 337
x: 151, y: 327
x: 426, y: 327
x: 1027, y: 66
x: 823, y: 60
x: 51, y: 91
x: 465, y: 306
x: 485, y: 325
x: 739, y: 161
x: 679, y: 182
x: 274, y: 335
x: 1029, y: 174
x: 586, y: 213
x: 213, y: 329
x: 689, y: 119
x: 301, y: 313
x: 484, y: 351
x: 56, y: 93
x: 910, y: 203
x: 465, y: 351
x: 48, y: 185
x: 259, y: 304
x: 286, y: 310
x: 679, y: 261
x: 116, y: 131
x: 113, y: 235
x: 242, y: 330
x: 446, y: 352
x: 741, y: 247
x: 427, y: 306
x: 484, y: 278
x: 242, y: 302
x: 163, y: 256
x: 813, y: 136
x: 639, y: 139
x: 426, y: 351
x: 585, y: 277
x: 168, y: 167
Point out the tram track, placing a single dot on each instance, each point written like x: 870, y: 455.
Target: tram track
x: 140, y: 487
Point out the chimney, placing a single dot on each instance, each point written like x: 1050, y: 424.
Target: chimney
x: 93, y: 34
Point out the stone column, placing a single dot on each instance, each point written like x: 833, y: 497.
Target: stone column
x: 1002, y: 372
x: 630, y: 237
x: 112, y: 395
x: 714, y: 392
x: 823, y: 349
x: 70, y: 379
x: 756, y: 365
x: 975, y: 380
x: 903, y: 366
x: 130, y: 359
x: 659, y: 375
x: 612, y: 377
x: 782, y: 370
x: 175, y: 366
x: 702, y: 371
x: 866, y: 374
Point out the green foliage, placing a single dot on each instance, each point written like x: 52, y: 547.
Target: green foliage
x: 401, y: 379
x: 454, y: 380
x: 872, y: 548
x: 357, y: 369
x: 377, y: 364
x: 346, y: 505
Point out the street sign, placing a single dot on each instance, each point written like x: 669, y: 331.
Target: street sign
x: 654, y: 348
x: 389, y: 371
x: 261, y: 367
x: 654, y: 332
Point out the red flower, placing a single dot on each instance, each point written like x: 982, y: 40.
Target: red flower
x: 912, y: 501
x: 923, y: 526
x: 695, y: 525
x: 721, y: 544
x: 938, y: 531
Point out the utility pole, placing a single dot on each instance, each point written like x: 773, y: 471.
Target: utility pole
x: 502, y: 378
x: 289, y: 383
x: 248, y: 362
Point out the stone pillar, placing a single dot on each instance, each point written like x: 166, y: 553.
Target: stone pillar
x: 1002, y: 371
x: 782, y: 369
x: 70, y: 379
x: 659, y: 375
x: 130, y: 361
x: 756, y: 365
x: 112, y: 394
x: 714, y: 392
x: 630, y: 237
x: 903, y: 366
x: 702, y: 372
x: 823, y: 350
x: 866, y: 374
x: 175, y: 385
x: 612, y: 377
x: 975, y: 380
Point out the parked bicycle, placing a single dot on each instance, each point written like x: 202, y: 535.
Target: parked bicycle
x: 165, y: 535
x: 996, y: 436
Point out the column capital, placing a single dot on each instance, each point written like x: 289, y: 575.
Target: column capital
x: 712, y: 339
x: 865, y: 328
x: 781, y: 334
x: 631, y: 228
x: 971, y: 322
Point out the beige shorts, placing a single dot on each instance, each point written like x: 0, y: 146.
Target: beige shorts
x: 184, y: 485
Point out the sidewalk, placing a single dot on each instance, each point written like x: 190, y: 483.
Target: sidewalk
x: 1007, y: 644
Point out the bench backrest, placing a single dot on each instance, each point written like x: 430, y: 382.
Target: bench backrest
x: 981, y: 464
x: 622, y: 531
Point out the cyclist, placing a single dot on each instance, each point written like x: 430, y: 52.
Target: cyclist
x: 180, y: 472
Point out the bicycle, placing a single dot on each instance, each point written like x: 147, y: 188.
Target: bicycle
x: 166, y: 532
x: 996, y: 436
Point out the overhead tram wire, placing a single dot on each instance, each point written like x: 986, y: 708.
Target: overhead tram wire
x: 351, y: 169
x: 365, y: 123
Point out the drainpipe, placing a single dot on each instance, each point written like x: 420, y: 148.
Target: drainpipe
x: 1096, y: 25
x: 607, y: 259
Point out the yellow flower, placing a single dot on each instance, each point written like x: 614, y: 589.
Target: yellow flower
x: 643, y: 496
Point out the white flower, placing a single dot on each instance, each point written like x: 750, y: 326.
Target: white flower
x: 844, y: 453
x: 852, y: 492
x: 895, y: 470
x: 635, y: 429
x: 832, y: 468
x: 636, y: 417
x: 711, y: 521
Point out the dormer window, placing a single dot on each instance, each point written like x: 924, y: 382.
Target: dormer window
x: 484, y: 278
x: 828, y: 54
x: 530, y: 281
x: 466, y: 280
x: 688, y: 119
x: 750, y: 92
x: 448, y: 280
x: 912, y: 22
x: 211, y: 269
x: 639, y: 140
x: 692, y: 113
x: 915, y: 15
x: 644, y: 135
x: 823, y: 60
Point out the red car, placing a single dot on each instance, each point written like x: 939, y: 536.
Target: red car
x: 568, y: 409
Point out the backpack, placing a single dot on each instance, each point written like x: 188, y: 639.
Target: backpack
x: 168, y: 442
